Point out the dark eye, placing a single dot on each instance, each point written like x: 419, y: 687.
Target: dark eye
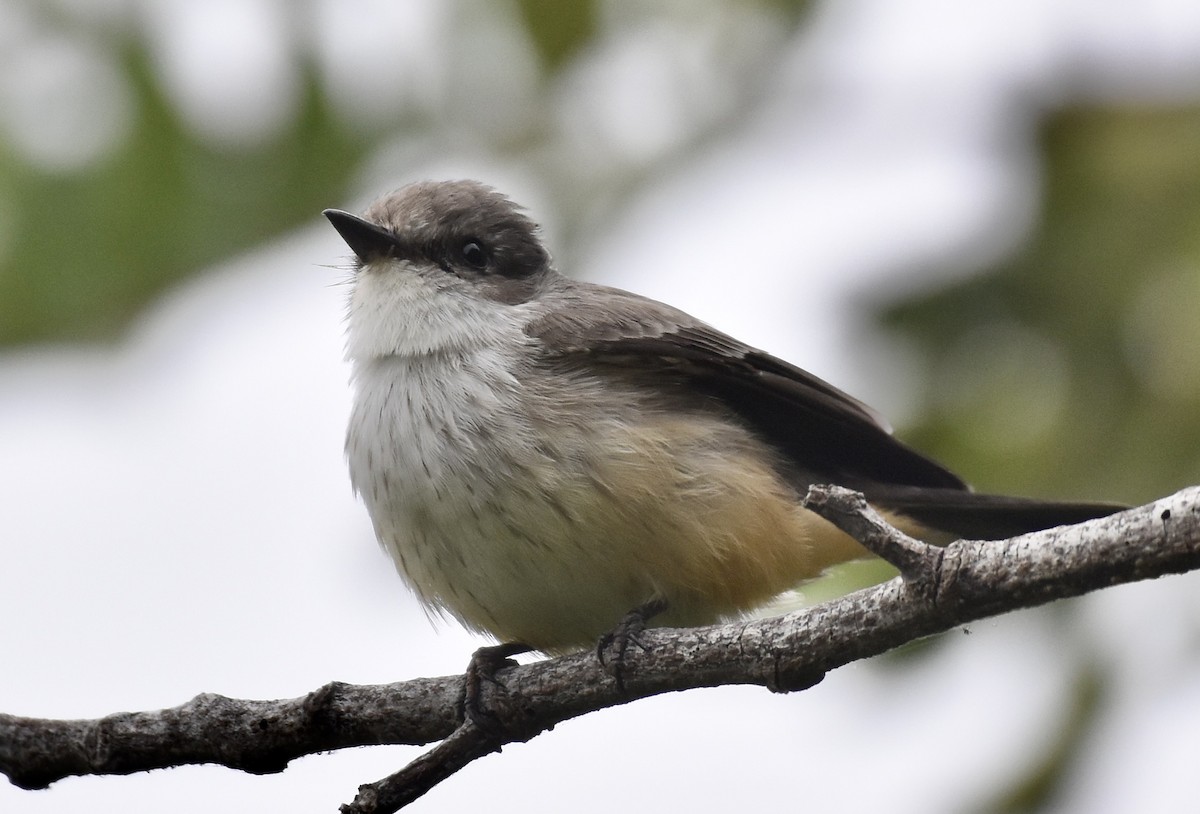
x: 474, y: 255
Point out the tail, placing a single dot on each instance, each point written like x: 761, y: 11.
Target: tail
x: 970, y: 516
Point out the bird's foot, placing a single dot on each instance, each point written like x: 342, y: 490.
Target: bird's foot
x: 485, y: 662
x: 626, y: 633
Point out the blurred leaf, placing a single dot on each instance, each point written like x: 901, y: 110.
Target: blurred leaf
x: 1065, y: 371
x: 794, y: 10
x: 93, y: 247
x: 558, y: 29
x: 1064, y: 738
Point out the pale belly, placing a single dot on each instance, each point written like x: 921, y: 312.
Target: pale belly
x: 549, y: 532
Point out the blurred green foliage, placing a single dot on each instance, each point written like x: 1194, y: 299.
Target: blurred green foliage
x: 558, y: 30
x: 1073, y: 368
x: 92, y: 247
x: 82, y: 251
x: 1042, y: 788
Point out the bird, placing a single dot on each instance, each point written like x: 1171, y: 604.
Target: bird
x: 539, y: 455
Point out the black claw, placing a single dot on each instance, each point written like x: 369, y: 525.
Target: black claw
x: 626, y: 633
x: 484, y: 663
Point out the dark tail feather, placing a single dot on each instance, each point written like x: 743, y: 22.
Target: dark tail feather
x: 987, y: 517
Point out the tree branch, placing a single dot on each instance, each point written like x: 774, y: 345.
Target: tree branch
x: 940, y: 589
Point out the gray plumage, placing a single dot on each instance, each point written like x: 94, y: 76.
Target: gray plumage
x: 540, y: 455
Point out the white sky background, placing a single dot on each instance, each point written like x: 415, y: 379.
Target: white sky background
x: 176, y: 517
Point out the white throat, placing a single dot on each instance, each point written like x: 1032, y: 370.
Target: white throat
x: 397, y: 309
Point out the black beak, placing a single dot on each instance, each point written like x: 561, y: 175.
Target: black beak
x: 364, y: 238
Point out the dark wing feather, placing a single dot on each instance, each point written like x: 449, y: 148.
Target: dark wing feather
x: 825, y: 433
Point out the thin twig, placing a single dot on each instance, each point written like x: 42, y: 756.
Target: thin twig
x: 465, y: 744
x: 917, y: 561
